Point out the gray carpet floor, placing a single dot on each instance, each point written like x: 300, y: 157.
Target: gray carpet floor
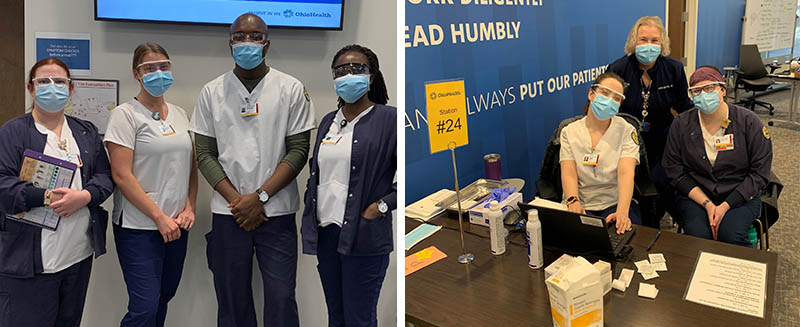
x: 784, y: 238
x: 783, y: 235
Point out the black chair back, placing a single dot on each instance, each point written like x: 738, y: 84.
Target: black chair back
x: 750, y: 64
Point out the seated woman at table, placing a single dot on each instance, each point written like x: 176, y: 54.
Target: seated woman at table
x: 718, y: 156
x: 608, y: 150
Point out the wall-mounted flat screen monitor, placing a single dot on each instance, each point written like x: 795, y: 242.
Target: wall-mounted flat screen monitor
x: 303, y: 14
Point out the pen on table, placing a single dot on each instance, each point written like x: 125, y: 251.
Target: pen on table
x: 653, y: 241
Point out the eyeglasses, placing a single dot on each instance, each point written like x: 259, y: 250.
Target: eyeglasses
x: 153, y: 66
x: 614, y: 95
x: 708, y: 88
x: 350, y: 68
x: 50, y: 79
x: 253, y: 36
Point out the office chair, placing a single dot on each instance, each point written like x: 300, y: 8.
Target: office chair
x: 752, y: 75
x: 548, y: 186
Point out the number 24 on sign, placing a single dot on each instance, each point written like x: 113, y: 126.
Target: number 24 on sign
x: 447, y: 114
x: 447, y: 126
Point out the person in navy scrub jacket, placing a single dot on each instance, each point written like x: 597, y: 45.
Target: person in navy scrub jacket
x: 347, y: 222
x: 44, y: 274
x: 718, y: 157
x: 655, y: 94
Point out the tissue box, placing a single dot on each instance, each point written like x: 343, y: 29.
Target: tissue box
x: 480, y: 215
x: 605, y: 274
x: 576, y: 295
x: 554, y: 267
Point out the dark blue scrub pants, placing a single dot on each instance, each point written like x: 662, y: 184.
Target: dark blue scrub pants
x: 633, y: 213
x: 230, y: 257
x: 351, y: 283
x: 152, y: 270
x: 46, y: 299
x: 733, y: 228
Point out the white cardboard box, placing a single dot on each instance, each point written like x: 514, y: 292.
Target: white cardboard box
x: 605, y: 274
x: 557, y: 265
x: 576, y: 295
x: 480, y: 215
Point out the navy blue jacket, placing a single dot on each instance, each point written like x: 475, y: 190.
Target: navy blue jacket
x: 20, y: 244
x: 374, y: 163
x: 668, y: 90
x: 738, y: 175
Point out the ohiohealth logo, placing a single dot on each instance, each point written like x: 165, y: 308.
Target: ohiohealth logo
x: 433, y: 95
x: 287, y: 13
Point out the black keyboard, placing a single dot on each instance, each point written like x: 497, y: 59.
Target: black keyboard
x: 615, y: 238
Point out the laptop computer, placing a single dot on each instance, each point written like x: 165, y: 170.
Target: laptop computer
x: 580, y: 234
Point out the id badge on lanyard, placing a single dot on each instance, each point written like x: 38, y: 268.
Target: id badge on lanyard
x: 166, y: 129
x: 723, y: 143
x: 75, y: 158
x: 249, y: 109
x: 333, y: 139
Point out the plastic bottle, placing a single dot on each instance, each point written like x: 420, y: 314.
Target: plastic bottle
x: 752, y: 236
x: 534, y: 230
x: 497, y: 233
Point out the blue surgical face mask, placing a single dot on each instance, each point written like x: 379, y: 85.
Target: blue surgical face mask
x: 647, y: 53
x: 351, y: 87
x: 248, y: 54
x: 707, y: 103
x: 604, y: 107
x: 157, y: 82
x: 51, y: 97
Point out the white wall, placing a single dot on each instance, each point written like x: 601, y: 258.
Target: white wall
x: 200, y: 53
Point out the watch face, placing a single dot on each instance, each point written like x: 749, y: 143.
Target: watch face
x: 263, y: 196
x: 383, y: 207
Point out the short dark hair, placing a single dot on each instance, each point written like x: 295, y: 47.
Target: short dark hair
x: 377, y: 91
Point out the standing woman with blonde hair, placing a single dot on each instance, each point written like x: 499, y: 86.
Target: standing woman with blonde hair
x: 656, y: 92
x: 153, y: 165
x: 44, y: 274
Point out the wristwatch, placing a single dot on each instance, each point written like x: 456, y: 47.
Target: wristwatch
x: 262, y: 196
x: 572, y: 199
x: 383, y: 207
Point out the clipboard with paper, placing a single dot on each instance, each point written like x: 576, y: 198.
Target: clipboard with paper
x: 48, y: 173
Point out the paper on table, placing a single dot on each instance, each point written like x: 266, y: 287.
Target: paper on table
x: 660, y: 266
x: 423, y: 259
x: 648, y: 290
x: 649, y: 276
x: 627, y: 276
x: 728, y: 283
x: 618, y: 285
x: 426, y: 208
x: 656, y: 258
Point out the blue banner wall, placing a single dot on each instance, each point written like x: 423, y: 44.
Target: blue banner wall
x: 526, y: 67
x: 719, y: 32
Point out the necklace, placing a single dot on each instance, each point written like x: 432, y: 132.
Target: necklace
x: 62, y: 144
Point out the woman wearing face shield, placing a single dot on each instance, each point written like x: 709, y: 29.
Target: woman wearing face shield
x: 347, y: 222
x: 153, y: 165
x: 598, y: 157
x: 718, y: 157
x: 655, y: 92
x: 44, y: 274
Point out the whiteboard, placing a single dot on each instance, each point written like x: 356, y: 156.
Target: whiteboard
x: 93, y: 100
x: 769, y: 24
